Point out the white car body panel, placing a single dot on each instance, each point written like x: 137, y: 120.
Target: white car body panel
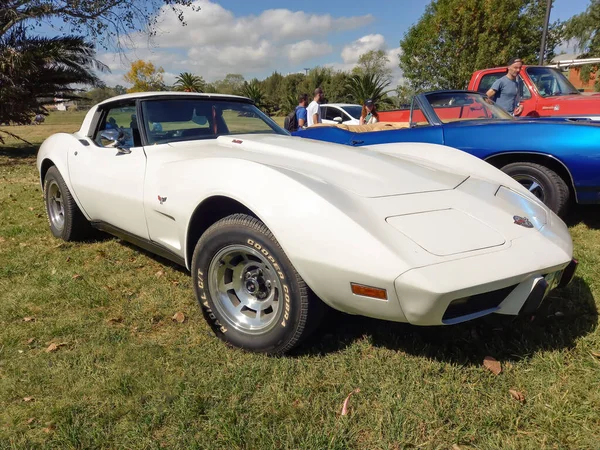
x: 346, y: 117
x: 102, y: 176
x: 428, y: 223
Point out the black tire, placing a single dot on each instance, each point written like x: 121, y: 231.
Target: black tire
x: 233, y: 248
x: 67, y: 223
x: 553, y: 190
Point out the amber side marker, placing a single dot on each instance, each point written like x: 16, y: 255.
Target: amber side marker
x: 369, y: 291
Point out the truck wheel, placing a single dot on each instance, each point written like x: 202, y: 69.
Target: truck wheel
x: 248, y: 289
x: 542, y: 182
x: 64, y: 216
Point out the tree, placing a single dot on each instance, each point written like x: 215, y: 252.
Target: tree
x: 585, y: 28
x: 144, y: 77
x: 373, y: 62
x: 289, y: 103
x: 120, y: 90
x: 103, y: 21
x: 404, y: 95
x: 35, y: 70
x: 453, y: 38
x: 254, y: 92
x: 99, y: 94
x: 189, y: 83
x: 335, y: 87
x: 232, y: 84
x: 362, y: 87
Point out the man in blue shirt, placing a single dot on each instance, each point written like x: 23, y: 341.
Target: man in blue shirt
x: 301, y: 110
x: 505, y: 90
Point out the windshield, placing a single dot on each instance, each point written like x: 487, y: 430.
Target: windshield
x: 354, y: 111
x: 550, y: 82
x: 455, y: 106
x: 173, y: 120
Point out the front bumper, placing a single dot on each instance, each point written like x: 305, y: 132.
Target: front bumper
x: 511, y: 282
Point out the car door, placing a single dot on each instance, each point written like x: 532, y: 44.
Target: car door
x: 109, y: 181
x: 326, y: 112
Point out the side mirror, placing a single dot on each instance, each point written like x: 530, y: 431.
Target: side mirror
x: 337, y: 120
x: 114, y: 138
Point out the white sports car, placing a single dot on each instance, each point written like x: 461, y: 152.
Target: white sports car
x: 272, y: 227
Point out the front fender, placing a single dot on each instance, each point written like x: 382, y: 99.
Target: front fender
x: 327, y: 232
x: 459, y: 161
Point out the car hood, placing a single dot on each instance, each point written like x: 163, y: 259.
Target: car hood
x: 365, y: 172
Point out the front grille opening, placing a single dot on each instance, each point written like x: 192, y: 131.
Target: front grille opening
x: 476, y: 303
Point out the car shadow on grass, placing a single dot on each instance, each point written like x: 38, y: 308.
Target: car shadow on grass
x: 564, y: 316
x: 586, y: 214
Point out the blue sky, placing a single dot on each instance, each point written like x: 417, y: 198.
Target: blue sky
x: 255, y: 38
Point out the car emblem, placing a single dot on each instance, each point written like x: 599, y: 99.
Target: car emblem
x: 162, y: 199
x: 523, y: 221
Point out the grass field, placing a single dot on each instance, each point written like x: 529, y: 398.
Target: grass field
x: 90, y: 356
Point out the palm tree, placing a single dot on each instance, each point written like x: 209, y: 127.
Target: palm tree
x: 188, y: 82
x: 369, y: 85
x: 36, y: 70
x: 254, y: 92
x: 289, y: 103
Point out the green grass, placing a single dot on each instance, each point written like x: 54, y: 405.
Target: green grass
x: 130, y: 377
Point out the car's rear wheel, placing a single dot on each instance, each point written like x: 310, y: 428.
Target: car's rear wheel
x: 248, y: 289
x: 542, y: 182
x: 64, y: 216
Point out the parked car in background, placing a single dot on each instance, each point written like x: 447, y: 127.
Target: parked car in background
x: 544, y: 92
x: 345, y: 113
x: 272, y: 226
x: 556, y: 160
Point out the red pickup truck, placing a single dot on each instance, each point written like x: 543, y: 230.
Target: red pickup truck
x: 544, y: 91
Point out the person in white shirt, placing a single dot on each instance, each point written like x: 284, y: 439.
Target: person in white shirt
x: 314, y: 109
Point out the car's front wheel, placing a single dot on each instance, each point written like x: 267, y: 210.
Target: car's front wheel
x: 542, y: 182
x: 248, y: 289
x: 64, y: 216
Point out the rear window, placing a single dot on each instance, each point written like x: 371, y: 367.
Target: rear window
x: 488, y: 80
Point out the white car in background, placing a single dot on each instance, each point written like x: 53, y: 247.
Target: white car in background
x: 345, y: 113
x: 272, y: 226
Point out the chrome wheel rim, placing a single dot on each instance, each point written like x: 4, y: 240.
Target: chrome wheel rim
x: 56, y: 209
x: 532, y: 184
x: 245, y: 289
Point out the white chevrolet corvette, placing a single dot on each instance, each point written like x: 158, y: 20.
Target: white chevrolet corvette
x: 272, y: 227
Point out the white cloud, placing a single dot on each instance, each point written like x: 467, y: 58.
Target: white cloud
x: 351, y: 52
x: 214, y: 25
x: 215, y: 41
x: 305, y: 50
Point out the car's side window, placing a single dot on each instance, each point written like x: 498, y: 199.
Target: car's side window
x: 331, y: 113
x: 118, y: 126
x: 418, y: 118
x: 487, y: 81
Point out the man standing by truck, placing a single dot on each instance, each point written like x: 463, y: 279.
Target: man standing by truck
x: 505, y: 90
